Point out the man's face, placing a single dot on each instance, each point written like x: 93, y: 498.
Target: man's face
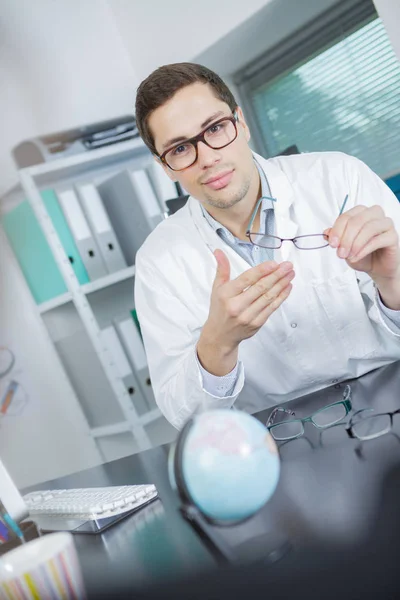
x: 220, y: 178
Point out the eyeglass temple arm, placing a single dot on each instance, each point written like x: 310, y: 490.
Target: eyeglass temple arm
x: 272, y: 416
x: 256, y: 209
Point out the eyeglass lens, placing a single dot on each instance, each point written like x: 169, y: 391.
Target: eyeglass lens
x: 217, y: 136
x: 287, y: 431
x: 372, y: 426
x: 329, y: 415
x: 306, y: 242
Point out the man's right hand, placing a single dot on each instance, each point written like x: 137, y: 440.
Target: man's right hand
x: 239, y: 308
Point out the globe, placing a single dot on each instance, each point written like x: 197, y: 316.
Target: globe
x: 230, y: 464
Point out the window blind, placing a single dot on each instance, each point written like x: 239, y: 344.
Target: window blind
x: 346, y: 98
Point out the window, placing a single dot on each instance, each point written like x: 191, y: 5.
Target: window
x: 345, y: 96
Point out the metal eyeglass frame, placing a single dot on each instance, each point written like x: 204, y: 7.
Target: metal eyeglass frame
x: 346, y: 401
x: 249, y: 233
x: 200, y: 138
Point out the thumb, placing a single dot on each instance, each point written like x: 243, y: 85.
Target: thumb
x: 223, y: 268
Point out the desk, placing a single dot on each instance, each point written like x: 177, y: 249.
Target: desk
x: 329, y: 489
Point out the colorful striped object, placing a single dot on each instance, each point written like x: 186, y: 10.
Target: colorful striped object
x: 45, y: 568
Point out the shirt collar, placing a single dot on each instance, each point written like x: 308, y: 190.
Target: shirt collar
x: 265, y: 205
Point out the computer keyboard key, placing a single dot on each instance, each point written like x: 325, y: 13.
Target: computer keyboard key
x: 89, y: 503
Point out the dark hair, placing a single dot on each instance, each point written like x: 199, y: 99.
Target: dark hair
x: 164, y: 82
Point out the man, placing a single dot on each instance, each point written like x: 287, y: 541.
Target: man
x: 230, y: 313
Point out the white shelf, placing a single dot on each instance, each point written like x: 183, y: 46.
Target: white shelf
x: 108, y: 280
x: 55, y: 302
x: 92, y: 165
x: 98, y: 157
x: 88, y: 288
x: 150, y: 416
x: 113, y: 429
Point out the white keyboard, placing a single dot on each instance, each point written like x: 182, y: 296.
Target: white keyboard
x: 89, y: 503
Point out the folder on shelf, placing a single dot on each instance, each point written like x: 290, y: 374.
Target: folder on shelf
x: 101, y: 227
x: 112, y: 342
x: 33, y: 253
x: 146, y: 196
x: 79, y: 226
x: 132, y: 207
x: 88, y: 378
x: 64, y: 234
x: 132, y: 342
x: 165, y: 188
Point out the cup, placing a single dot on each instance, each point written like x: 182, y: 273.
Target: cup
x: 45, y: 568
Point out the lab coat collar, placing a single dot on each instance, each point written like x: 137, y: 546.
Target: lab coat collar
x: 281, y: 189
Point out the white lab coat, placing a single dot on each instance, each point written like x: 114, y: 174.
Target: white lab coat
x: 329, y: 328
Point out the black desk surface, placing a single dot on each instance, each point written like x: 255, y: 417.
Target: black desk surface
x: 328, y: 490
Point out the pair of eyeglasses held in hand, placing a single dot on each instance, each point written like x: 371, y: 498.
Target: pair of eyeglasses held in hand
x: 312, y: 241
x: 322, y: 418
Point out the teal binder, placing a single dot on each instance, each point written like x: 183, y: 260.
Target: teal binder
x: 34, y: 253
x: 64, y: 233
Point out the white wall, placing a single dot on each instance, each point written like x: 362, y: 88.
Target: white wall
x: 157, y: 32
x: 62, y: 64
x: 389, y: 11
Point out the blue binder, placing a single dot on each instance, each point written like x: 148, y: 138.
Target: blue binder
x: 34, y: 253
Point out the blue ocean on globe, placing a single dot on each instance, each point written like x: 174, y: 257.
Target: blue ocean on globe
x: 230, y: 464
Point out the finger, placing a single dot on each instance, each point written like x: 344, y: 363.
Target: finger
x: 336, y: 231
x: 261, y: 318
x: 354, y: 226
x: 251, y: 276
x: 266, y: 288
x: 370, y: 230
x: 223, y: 272
x: 385, y: 240
x: 253, y: 310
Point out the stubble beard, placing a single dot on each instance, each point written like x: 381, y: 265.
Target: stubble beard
x: 234, y: 198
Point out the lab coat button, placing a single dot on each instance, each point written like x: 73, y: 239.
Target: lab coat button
x: 294, y: 325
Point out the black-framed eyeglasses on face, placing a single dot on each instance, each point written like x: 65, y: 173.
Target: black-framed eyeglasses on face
x: 291, y: 429
x: 219, y: 134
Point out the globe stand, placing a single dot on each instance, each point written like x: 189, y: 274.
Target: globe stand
x: 267, y: 548
x: 216, y: 544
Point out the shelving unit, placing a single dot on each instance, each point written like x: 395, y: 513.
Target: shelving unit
x: 79, y: 315
x: 54, y: 303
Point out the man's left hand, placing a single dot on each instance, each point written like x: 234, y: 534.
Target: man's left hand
x: 369, y: 242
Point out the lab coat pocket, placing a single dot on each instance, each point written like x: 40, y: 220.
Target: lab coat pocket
x: 347, y: 314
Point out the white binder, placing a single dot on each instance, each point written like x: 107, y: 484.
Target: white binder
x: 146, y: 196
x: 110, y: 339
x: 165, y: 188
x: 87, y: 246
x: 132, y: 342
x: 101, y: 227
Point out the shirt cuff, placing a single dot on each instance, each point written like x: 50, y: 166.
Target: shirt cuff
x: 219, y: 386
x: 391, y: 317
